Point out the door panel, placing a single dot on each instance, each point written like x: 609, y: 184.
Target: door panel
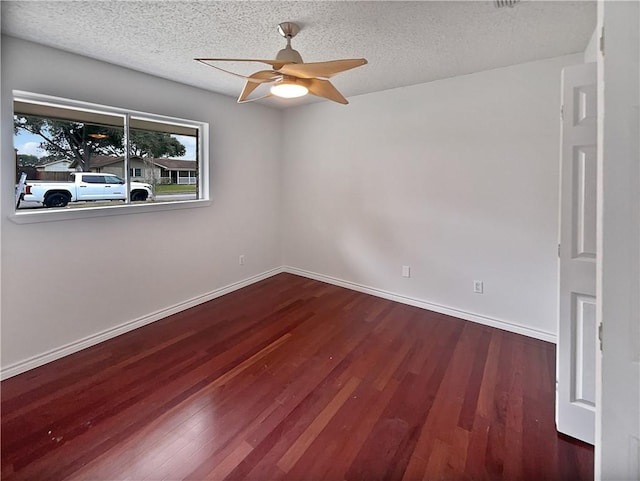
x: 584, y: 105
x: 577, y: 329
x: 584, y: 362
x: 584, y: 169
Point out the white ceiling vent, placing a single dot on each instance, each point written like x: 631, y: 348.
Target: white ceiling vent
x: 505, y: 3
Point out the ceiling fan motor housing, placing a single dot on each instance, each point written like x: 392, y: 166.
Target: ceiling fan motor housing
x: 288, y: 54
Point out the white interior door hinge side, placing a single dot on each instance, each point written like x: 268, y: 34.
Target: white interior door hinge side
x: 600, y: 335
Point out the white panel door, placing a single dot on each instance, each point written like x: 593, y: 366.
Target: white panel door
x: 577, y: 329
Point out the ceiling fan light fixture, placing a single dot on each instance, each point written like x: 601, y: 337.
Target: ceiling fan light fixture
x: 289, y: 89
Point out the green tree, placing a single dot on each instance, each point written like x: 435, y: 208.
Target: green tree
x: 75, y: 141
x: 147, y: 143
x: 79, y: 141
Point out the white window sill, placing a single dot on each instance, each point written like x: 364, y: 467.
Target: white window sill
x: 50, y: 215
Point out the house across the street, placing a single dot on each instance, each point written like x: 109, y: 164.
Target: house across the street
x: 62, y: 165
x: 56, y: 170
x: 147, y: 169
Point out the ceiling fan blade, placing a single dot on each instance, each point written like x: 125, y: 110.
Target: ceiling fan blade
x: 324, y: 88
x: 257, y: 98
x: 276, y: 64
x: 248, y: 78
x: 320, y: 69
x: 263, y: 76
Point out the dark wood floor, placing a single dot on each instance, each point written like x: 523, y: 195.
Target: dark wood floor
x: 294, y: 379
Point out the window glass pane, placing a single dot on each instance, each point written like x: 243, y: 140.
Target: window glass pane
x: 50, y: 146
x: 72, y: 155
x: 112, y: 179
x: 93, y: 179
x: 164, y: 159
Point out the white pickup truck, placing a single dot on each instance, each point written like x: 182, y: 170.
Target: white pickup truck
x: 84, y: 186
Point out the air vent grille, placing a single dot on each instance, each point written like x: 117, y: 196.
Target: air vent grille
x: 505, y: 3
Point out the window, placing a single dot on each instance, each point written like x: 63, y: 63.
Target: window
x: 112, y: 179
x: 150, y: 159
x: 186, y: 177
x: 92, y: 179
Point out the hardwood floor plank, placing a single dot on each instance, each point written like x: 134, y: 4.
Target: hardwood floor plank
x: 227, y: 376
x: 489, y: 377
x: 437, y: 464
x: 300, y: 445
x: 293, y: 379
x: 475, y: 465
x: 387, y: 451
x: 514, y: 417
x: 363, y: 418
x: 202, y: 455
x: 278, y: 432
x: 230, y: 462
x: 472, y: 388
x: 392, y: 364
x: 496, y: 452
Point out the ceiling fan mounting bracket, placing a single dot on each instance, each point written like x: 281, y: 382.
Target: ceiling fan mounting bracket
x: 288, y: 29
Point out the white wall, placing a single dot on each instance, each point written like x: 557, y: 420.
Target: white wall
x: 456, y: 178
x: 590, y: 53
x: 53, y: 293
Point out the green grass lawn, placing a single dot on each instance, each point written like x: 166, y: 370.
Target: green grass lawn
x: 174, y: 189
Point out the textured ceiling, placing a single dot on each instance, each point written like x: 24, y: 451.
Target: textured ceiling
x: 406, y: 43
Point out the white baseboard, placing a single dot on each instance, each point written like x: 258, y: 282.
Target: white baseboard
x: 52, y: 355
x: 467, y: 316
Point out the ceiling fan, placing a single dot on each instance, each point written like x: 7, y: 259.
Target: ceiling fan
x: 290, y: 76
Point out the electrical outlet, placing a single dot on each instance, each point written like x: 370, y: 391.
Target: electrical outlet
x: 406, y: 271
x: 478, y: 287
x: 241, y: 260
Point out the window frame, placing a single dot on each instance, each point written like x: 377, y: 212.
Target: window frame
x: 202, y: 155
